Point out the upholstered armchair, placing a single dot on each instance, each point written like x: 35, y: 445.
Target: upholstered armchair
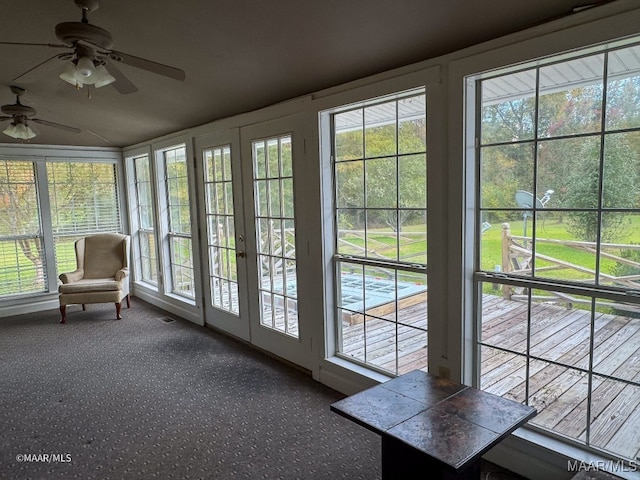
x: 102, y: 273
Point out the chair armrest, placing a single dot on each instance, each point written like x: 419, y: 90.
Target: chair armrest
x: 122, y: 273
x: 71, y: 277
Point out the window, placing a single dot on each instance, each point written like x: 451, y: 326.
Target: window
x: 223, y: 273
x: 82, y: 197
x: 276, y: 234
x: 84, y: 201
x: 145, y: 235
x: 380, y: 200
x: 179, y: 221
x: 558, y: 264
x: 22, y: 260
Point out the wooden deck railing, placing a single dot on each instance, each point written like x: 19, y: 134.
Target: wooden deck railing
x: 517, y: 256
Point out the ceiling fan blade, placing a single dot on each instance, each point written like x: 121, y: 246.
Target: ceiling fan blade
x: 38, y: 65
x: 56, y: 125
x: 51, y: 45
x: 122, y: 84
x: 3, y: 119
x: 106, y: 140
x: 148, y: 65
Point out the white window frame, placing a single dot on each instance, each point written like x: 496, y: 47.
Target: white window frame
x: 473, y: 224
x: 40, y: 156
x: 134, y: 217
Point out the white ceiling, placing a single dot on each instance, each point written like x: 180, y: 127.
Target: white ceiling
x: 238, y: 55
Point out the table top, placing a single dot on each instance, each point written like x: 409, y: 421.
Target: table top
x: 452, y: 423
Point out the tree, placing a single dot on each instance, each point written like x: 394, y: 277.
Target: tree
x: 620, y: 189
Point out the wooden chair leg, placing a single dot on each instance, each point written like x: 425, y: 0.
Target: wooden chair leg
x: 128, y: 302
x: 63, y: 311
x: 118, y: 317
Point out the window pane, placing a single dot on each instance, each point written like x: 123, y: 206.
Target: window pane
x: 617, y: 342
x: 22, y: 266
x: 556, y: 392
x: 350, y: 184
x: 381, y: 217
x: 623, y: 88
x: 615, y: 417
x: 412, y: 126
x: 560, y: 328
x: 503, y: 373
x: 620, y: 260
x: 84, y: 201
x: 380, y: 130
x: 381, y: 187
x: 505, y: 170
x: 275, y: 230
x: 178, y: 203
x: 503, y: 328
x: 412, y: 181
x: 564, y: 345
x: 621, y: 172
x: 569, y: 172
x: 146, y: 233
x: 349, y: 135
x: 84, y: 198
x: 570, y: 100
x: 508, y: 107
x: 566, y: 250
x: 382, y: 235
x: 221, y: 229
x: 412, y: 236
x: 182, y: 266
x: 351, y: 233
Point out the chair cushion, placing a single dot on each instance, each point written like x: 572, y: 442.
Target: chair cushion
x: 91, y: 285
x: 104, y: 255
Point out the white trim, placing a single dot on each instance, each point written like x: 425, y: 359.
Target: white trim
x: 165, y: 302
x: 346, y: 377
x: 29, y: 304
x: 538, y: 457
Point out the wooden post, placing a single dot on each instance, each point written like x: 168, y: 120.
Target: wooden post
x: 506, y: 261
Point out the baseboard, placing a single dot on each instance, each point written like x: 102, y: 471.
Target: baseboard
x: 188, y: 312
x: 528, y: 459
x: 538, y: 457
x: 347, y: 378
x: 29, y: 305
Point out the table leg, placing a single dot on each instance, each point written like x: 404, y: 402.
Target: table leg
x: 402, y: 461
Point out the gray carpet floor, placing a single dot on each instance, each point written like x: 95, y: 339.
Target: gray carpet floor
x: 149, y: 398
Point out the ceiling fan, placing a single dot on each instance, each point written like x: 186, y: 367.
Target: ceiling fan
x: 91, y: 54
x: 20, y: 115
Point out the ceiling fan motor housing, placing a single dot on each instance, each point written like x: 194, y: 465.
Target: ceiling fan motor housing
x: 18, y: 110
x: 70, y: 33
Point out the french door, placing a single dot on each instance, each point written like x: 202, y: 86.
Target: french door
x: 222, y: 235
x: 271, y: 153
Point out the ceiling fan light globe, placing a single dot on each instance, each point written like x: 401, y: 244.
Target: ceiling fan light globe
x: 10, y: 131
x: 69, y: 76
x: 104, y: 77
x: 85, y: 69
x: 29, y: 133
x: 19, y: 131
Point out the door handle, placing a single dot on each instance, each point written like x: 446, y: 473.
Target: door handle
x: 240, y: 254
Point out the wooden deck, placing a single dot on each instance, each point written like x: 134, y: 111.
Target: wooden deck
x: 559, y: 392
